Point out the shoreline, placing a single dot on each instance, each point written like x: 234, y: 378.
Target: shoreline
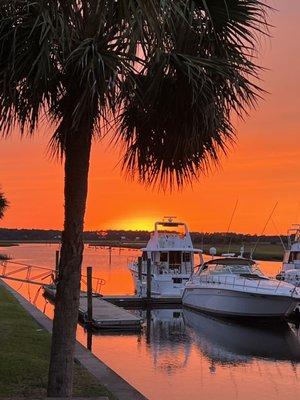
x: 264, y: 251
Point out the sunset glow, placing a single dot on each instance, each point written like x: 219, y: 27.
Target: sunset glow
x: 261, y: 169
x: 133, y: 223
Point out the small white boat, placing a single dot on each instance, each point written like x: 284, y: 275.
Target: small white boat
x: 291, y: 261
x: 236, y: 287
x: 171, y: 253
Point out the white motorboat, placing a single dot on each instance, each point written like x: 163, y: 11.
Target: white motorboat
x: 236, y: 287
x: 291, y: 261
x: 171, y: 254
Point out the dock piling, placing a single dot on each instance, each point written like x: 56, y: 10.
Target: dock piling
x: 148, y: 279
x: 89, y: 273
x: 140, y: 274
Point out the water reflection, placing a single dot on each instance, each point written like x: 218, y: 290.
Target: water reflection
x: 168, y: 340
x: 227, y: 342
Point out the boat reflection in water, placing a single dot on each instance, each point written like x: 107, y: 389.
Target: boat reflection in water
x: 228, y: 342
x: 168, y: 340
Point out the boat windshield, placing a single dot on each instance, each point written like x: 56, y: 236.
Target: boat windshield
x: 236, y: 266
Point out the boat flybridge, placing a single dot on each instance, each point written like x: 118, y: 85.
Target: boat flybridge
x: 291, y: 261
x: 236, y: 287
x: 171, y: 255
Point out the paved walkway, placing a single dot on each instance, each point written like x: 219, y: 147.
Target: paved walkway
x: 106, y: 376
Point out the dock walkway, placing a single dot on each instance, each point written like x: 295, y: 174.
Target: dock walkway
x: 105, y: 314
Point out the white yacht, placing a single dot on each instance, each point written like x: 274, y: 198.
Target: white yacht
x: 291, y: 261
x: 236, y: 287
x: 171, y: 254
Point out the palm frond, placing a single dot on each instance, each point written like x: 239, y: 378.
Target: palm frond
x: 177, y: 119
x: 166, y: 75
x: 3, y: 205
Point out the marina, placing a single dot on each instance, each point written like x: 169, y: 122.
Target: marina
x: 143, y: 213
x: 178, y: 347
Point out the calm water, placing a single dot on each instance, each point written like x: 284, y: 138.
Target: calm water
x: 182, y: 354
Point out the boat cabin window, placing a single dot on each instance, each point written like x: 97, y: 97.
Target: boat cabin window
x: 230, y: 266
x: 186, y: 257
x: 175, y: 257
x: 294, y: 256
x: 230, y: 269
x: 164, y: 257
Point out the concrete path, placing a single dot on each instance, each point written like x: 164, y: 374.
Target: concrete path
x: 106, y: 376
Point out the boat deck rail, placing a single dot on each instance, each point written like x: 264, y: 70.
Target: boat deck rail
x: 244, y: 283
x: 132, y: 259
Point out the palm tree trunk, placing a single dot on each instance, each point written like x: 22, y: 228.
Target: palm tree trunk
x: 77, y: 155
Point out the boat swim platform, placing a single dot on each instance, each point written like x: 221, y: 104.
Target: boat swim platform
x: 106, y: 316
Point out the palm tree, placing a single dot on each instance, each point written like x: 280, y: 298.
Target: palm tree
x: 163, y: 77
x: 3, y: 205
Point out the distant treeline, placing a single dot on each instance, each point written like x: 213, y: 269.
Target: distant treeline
x: 122, y: 235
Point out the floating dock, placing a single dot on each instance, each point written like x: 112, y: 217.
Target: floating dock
x: 106, y: 315
x: 144, y: 302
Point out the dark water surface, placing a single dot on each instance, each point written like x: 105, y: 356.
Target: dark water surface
x: 182, y: 354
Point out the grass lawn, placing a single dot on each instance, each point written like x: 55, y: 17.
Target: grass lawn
x: 24, y: 356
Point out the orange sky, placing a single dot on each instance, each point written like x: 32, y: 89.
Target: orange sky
x: 262, y: 168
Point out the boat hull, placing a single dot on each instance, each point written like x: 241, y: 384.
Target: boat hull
x: 225, y: 302
x: 161, y: 285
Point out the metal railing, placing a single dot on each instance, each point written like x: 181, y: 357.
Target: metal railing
x: 241, y: 283
x: 36, y: 275
x: 26, y: 272
x: 97, y: 283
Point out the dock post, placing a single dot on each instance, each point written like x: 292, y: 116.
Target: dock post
x: 148, y: 279
x: 89, y: 273
x: 140, y: 274
x: 89, y: 343
x: 56, y: 264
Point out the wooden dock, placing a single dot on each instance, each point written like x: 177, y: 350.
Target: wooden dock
x: 143, y: 302
x: 106, y: 316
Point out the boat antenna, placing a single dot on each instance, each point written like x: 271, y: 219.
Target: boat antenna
x: 231, y: 219
x: 298, y: 209
x: 278, y: 234
x: 263, y: 231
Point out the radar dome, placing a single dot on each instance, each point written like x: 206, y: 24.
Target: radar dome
x: 212, y: 251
